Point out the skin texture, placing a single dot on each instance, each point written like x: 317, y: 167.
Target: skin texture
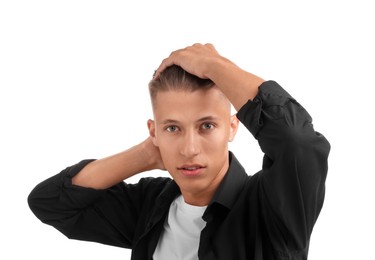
x: 193, y: 129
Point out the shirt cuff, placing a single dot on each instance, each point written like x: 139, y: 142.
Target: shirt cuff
x: 270, y: 94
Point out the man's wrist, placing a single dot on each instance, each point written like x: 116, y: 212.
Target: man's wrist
x: 216, y: 67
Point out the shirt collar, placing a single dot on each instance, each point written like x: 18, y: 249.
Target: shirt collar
x: 231, y: 185
x: 225, y: 195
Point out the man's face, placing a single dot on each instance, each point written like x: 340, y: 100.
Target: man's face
x: 192, y: 131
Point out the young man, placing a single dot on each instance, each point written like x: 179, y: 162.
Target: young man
x: 211, y: 209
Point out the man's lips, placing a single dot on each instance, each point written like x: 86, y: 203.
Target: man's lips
x: 191, y: 169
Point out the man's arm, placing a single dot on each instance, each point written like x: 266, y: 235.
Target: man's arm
x: 106, y: 172
x: 204, y: 61
x: 295, y: 165
x: 89, y: 201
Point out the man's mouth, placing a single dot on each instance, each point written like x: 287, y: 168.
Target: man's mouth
x: 190, y: 167
x: 191, y: 170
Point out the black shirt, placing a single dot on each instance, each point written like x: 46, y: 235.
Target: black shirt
x: 269, y: 215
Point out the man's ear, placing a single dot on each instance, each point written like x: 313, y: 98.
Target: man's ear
x: 152, y: 131
x: 234, y: 123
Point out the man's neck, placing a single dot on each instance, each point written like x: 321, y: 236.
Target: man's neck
x: 205, y: 197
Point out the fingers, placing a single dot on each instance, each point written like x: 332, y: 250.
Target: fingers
x: 182, y: 56
x: 172, y: 59
x: 165, y: 63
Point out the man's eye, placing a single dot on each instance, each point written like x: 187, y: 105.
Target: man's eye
x: 172, y: 128
x: 207, y: 126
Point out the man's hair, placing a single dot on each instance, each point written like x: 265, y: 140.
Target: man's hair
x: 174, y: 78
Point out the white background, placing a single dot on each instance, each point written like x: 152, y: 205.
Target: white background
x: 73, y: 80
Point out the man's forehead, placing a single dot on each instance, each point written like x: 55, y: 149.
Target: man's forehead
x: 190, y: 107
x: 179, y: 98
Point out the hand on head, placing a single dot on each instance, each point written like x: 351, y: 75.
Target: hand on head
x: 195, y: 59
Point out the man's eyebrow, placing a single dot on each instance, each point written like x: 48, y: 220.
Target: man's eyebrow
x: 169, y: 121
x: 172, y: 121
x: 207, y: 118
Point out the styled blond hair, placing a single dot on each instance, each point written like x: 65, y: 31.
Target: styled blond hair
x: 174, y: 78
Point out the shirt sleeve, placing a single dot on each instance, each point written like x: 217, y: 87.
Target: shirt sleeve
x: 109, y: 216
x: 292, y: 181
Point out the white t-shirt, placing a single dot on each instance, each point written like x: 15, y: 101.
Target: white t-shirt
x: 182, y: 230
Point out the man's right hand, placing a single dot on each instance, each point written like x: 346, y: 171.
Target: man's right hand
x: 152, y: 153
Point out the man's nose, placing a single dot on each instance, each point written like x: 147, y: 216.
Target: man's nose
x: 190, y: 145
